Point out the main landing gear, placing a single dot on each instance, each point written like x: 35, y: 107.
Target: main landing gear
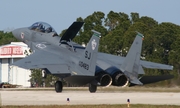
x: 92, y: 88
x: 58, y: 86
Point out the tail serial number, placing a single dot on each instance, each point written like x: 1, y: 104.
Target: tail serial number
x: 84, y: 65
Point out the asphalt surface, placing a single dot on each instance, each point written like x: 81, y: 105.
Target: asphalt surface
x: 84, y: 97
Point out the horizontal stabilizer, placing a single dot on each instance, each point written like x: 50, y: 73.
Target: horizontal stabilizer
x: 71, y: 31
x: 153, y: 79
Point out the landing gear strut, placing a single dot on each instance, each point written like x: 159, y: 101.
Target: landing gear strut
x: 58, y: 86
x: 44, y: 74
x: 92, y: 88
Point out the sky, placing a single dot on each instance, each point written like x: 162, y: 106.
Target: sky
x: 60, y: 14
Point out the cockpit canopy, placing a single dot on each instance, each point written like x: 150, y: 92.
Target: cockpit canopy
x: 42, y: 27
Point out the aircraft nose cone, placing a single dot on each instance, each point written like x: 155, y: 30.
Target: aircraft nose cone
x: 16, y: 33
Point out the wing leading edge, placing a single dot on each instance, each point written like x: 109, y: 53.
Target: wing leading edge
x: 153, y: 65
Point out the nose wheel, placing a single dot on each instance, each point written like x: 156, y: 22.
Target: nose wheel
x: 58, y: 86
x: 92, y: 88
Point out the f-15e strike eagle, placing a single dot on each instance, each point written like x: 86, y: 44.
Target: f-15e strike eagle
x: 79, y: 65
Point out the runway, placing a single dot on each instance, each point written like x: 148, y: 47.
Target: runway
x: 84, y: 97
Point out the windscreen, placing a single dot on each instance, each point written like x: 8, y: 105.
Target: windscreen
x: 42, y: 27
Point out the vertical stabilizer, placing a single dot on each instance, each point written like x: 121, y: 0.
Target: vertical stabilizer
x: 87, y: 62
x: 131, y: 64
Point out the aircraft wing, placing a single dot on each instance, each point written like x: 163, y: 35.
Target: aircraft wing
x: 41, y: 58
x: 153, y: 65
x: 118, y: 60
x: 34, y: 61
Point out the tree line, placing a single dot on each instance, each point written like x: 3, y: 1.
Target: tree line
x: 161, y: 40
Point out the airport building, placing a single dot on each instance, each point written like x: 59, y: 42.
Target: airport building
x: 13, y: 74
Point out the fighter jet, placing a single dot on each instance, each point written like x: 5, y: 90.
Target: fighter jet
x: 62, y: 57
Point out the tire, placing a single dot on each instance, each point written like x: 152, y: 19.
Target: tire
x: 92, y: 88
x: 58, y: 86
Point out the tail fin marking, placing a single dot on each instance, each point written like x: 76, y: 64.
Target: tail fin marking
x: 87, y: 62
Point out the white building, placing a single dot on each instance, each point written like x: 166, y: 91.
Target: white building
x: 12, y: 74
